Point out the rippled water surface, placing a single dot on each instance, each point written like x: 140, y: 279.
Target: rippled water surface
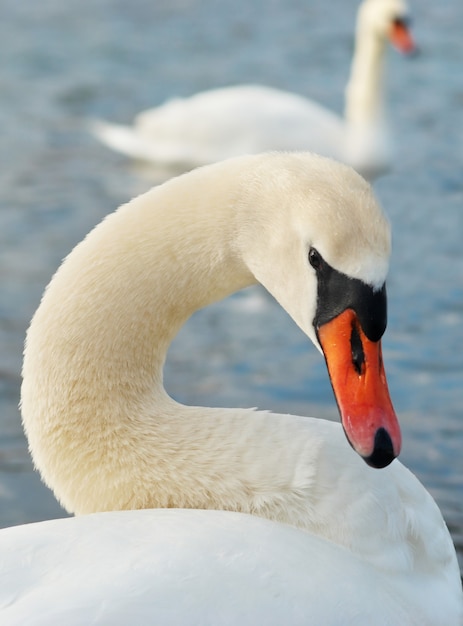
x: 66, y: 62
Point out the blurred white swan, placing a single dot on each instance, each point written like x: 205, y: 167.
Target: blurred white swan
x: 221, y: 123
x: 343, y: 543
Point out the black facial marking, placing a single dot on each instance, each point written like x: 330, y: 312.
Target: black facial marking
x: 338, y: 292
x: 403, y: 21
x: 315, y: 258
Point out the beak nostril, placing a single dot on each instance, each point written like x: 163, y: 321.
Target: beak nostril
x: 358, y: 355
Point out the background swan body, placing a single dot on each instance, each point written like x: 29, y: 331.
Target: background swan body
x: 105, y: 435
x: 221, y: 123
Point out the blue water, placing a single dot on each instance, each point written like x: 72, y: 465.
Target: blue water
x: 63, y: 63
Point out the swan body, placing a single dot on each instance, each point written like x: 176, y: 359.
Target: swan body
x: 229, y: 121
x: 106, y: 436
x: 193, y: 568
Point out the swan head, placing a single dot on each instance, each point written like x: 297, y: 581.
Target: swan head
x: 349, y: 322
x: 388, y: 20
x: 322, y: 250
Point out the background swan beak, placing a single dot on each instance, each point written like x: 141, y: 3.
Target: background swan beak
x: 401, y: 37
x: 356, y: 371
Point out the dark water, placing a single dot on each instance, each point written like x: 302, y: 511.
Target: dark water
x: 63, y: 63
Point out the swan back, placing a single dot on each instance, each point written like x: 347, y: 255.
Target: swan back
x: 200, y: 567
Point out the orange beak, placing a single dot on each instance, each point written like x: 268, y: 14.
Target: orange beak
x: 356, y: 370
x: 401, y: 37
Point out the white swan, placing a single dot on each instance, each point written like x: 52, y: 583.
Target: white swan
x: 197, y: 568
x: 222, y: 123
x: 343, y: 542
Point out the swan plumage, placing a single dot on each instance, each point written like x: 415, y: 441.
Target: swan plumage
x: 195, y: 567
x: 241, y: 119
x: 105, y: 435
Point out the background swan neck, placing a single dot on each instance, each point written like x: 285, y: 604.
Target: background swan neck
x: 364, y: 102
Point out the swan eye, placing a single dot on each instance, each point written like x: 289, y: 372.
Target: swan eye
x: 315, y: 259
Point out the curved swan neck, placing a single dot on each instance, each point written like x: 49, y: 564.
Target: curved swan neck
x: 134, y: 274
x: 103, y: 431
x: 100, y: 425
